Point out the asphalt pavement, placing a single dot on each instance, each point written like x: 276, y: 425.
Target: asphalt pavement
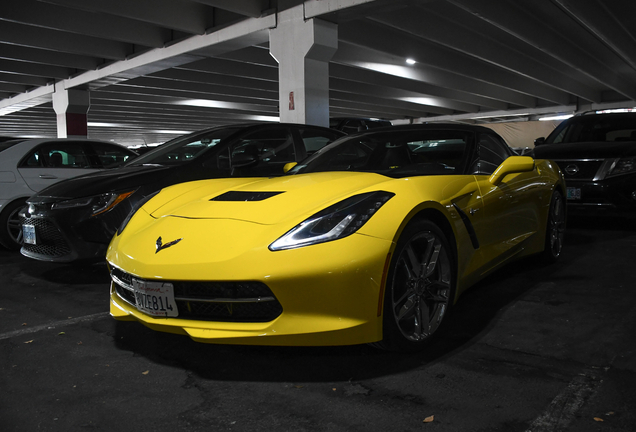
x: 530, y: 348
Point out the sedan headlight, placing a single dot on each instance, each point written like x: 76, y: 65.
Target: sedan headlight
x: 100, y: 203
x: 334, y: 222
x: 625, y: 165
x: 136, y: 207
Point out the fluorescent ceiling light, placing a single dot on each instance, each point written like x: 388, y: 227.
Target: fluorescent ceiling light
x: 206, y: 103
x: 559, y: 117
x: 125, y: 126
x: 501, y: 115
x: 173, y: 132
x: 421, y: 100
x: 618, y: 110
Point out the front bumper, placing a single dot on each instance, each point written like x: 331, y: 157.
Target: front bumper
x: 329, y: 294
x: 70, y: 235
x: 612, y: 196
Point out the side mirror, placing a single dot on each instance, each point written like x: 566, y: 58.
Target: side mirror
x: 288, y: 166
x: 512, y: 165
x: 539, y: 141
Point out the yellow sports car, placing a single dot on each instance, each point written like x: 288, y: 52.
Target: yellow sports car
x: 370, y: 240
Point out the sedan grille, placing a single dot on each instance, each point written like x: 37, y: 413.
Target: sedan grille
x: 49, y: 239
x: 212, y: 301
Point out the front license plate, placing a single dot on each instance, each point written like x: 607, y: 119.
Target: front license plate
x: 28, y: 234
x: 574, y: 193
x: 155, y: 298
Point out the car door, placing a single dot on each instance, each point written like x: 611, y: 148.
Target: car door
x: 54, y: 161
x: 510, y: 207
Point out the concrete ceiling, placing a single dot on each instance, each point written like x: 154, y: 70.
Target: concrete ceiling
x: 157, y: 68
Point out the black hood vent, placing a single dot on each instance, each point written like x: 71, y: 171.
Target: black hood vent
x: 245, y: 196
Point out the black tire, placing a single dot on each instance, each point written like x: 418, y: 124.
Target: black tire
x: 10, y: 227
x: 420, y: 288
x: 555, y: 229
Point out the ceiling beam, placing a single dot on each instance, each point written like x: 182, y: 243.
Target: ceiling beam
x: 374, y: 36
x: 250, y: 8
x: 367, y: 58
x: 188, y: 17
x: 55, y: 58
x: 487, y: 44
x: 80, y: 22
x: 55, y: 40
x: 548, y: 28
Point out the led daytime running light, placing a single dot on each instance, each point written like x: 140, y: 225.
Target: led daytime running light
x: 337, y: 221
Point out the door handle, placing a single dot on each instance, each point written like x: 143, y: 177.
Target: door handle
x: 48, y: 176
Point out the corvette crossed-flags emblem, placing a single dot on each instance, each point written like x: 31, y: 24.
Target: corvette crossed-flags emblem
x: 161, y: 246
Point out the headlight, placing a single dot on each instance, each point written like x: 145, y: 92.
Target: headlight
x: 136, y: 207
x: 100, y: 203
x: 334, y: 222
x: 623, y: 166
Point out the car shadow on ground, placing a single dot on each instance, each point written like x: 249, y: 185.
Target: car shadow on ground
x: 473, y: 313
x: 64, y: 274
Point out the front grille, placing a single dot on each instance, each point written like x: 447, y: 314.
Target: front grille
x: 586, y: 169
x: 49, y: 239
x: 212, y: 301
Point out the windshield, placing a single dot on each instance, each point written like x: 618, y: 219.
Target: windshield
x: 394, y: 154
x: 185, y: 148
x: 595, y: 128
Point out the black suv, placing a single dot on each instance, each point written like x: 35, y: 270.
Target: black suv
x: 597, y: 154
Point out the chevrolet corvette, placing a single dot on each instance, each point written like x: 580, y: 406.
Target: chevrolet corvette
x: 370, y: 240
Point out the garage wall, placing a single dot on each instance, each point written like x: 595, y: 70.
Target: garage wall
x: 523, y: 134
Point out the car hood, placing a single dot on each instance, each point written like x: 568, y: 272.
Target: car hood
x: 116, y: 179
x: 586, y: 150
x: 264, y: 201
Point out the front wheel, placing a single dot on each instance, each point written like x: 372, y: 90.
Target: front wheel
x: 420, y: 288
x: 10, y: 226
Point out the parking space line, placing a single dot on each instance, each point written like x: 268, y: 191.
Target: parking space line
x: 53, y: 325
x: 564, y: 406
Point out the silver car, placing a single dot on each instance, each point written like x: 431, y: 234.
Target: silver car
x: 29, y: 165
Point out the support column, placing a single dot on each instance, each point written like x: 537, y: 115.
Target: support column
x: 303, y: 50
x: 71, y: 107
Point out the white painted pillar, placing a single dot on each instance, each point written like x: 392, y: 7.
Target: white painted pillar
x: 303, y: 49
x: 71, y: 107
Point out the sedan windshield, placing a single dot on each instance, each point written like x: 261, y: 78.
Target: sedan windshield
x: 185, y: 148
x: 423, y: 152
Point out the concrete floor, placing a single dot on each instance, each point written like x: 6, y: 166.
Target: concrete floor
x: 529, y: 349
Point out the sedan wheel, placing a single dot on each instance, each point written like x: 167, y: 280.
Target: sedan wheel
x: 11, y: 233
x: 420, y: 288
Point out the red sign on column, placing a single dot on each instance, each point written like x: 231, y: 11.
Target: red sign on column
x: 291, y: 101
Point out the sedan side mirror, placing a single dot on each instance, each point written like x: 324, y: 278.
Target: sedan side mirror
x: 512, y: 165
x: 539, y: 141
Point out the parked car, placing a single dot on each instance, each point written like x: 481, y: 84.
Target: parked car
x: 370, y: 240
x: 597, y: 154
x: 74, y: 220
x: 355, y: 124
x: 30, y: 165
